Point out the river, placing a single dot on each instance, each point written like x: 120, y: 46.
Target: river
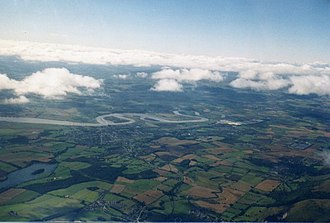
x: 102, y: 121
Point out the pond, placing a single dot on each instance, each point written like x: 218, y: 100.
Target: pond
x: 32, y: 172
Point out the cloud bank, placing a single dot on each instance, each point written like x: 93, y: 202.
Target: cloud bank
x: 121, y: 76
x: 142, y: 74
x: 300, y: 84
x: 186, y: 75
x: 303, y: 85
x: 167, y: 85
x: 20, y: 100
x: 260, y: 81
x: 309, y: 78
x: 175, y: 78
x: 50, y: 83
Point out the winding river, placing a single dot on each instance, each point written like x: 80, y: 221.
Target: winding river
x: 128, y: 118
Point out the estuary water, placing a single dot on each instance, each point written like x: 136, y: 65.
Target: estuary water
x: 128, y: 118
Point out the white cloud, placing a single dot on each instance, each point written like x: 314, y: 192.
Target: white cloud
x: 186, y: 75
x: 142, y: 74
x: 6, y: 83
x: 260, y: 81
x: 34, y: 51
x: 253, y: 74
x: 49, y: 83
x: 303, y: 85
x: 272, y: 84
x: 20, y: 100
x: 167, y: 85
x: 311, y: 84
x: 121, y: 76
x: 175, y: 78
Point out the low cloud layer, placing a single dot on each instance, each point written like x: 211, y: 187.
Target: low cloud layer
x: 186, y: 75
x: 121, y: 76
x: 51, y: 83
x: 271, y: 84
x: 309, y: 78
x: 19, y: 100
x: 142, y: 74
x: 167, y: 85
x: 175, y: 78
x: 303, y: 85
x: 260, y: 81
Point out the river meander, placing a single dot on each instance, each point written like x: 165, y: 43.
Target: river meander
x: 128, y: 118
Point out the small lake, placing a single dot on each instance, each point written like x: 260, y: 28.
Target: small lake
x: 32, y: 172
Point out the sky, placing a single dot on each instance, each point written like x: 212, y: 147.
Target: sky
x: 272, y: 30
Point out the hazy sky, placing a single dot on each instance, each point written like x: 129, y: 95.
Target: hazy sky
x: 288, y: 30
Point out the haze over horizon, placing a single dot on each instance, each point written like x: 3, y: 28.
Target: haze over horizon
x: 291, y: 31
x: 271, y: 45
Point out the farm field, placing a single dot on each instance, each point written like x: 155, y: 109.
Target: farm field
x: 272, y: 169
